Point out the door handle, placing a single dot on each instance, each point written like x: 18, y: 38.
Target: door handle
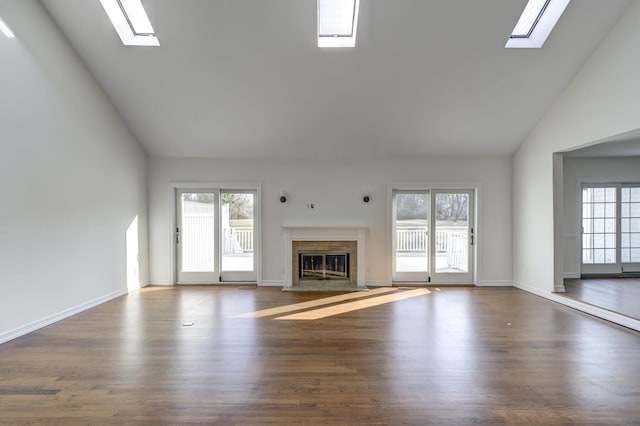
x: 177, y: 235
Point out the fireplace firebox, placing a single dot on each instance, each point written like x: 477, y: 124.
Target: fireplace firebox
x: 323, y: 266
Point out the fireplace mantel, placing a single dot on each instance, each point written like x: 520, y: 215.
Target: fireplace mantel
x: 325, y: 233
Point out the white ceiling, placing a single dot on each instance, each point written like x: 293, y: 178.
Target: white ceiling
x: 244, y: 78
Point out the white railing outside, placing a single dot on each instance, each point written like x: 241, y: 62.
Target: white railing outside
x: 451, y: 241
x: 238, y: 240
x: 457, y: 250
x: 411, y: 239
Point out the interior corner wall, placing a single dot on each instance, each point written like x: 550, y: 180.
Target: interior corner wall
x: 336, y: 188
x: 588, y: 170
x: 603, y: 100
x: 73, y: 181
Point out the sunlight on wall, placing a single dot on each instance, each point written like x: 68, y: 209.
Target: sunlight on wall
x: 133, y: 258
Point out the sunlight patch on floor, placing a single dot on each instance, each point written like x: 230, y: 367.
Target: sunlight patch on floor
x: 354, y: 306
x: 313, y: 303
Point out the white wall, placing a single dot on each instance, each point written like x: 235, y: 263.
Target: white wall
x: 73, y: 180
x: 603, y: 100
x: 336, y: 188
x: 584, y: 170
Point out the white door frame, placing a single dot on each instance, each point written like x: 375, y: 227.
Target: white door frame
x: 474, y: 251
x: 257, y: 225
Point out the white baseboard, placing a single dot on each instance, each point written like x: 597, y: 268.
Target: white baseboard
x: 160, y: 282
x: 271, y: 283
x: 572, y: 275
x: 614, y: 317
x: 378, y: 284
x: 28, y: 328
x: 495, y: 283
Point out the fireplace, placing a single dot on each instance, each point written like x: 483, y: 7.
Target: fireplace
x: 323, y: 266
x: 338, y: 254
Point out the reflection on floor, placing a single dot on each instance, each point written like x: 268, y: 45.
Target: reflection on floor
x: 621, y: 295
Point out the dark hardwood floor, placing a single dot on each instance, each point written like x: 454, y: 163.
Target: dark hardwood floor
x: 449, y: 356
x: 621, y: 295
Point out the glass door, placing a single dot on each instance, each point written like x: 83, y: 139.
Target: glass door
x: 411, y: 211
x: 453, y: 236
x: 196, y: 242
x: 630, y: 228
x: 238, y: 236
x: 215, y: 236
x: 610, y: 228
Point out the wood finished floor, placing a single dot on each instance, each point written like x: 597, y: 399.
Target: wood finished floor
x: 455, y: 356
x: 621, y: 295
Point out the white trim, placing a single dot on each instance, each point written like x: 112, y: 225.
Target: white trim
x: 494, y: 283
x: 542, y: 29
x: 160, y: 282
x: 272, y: 283
x: 475, y: 187
x: 379, y: 284
x: 601, y: 313
x: 254, y: 186
x: 571, y: 275
x: 48, y: 320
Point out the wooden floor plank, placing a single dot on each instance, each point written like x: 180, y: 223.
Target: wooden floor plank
x: 455, y: 356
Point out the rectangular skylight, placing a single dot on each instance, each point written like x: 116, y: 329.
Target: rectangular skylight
x: 337, y: 22
x: 536, y: 22
x: 532, y: 13
x: 130, y: 22
x: 4, y: 28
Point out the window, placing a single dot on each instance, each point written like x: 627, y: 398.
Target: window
x: 337, y: 22
x: 536, y: 22
x: 610, y: 228
x: 131, y: 22
x: 599, y: 225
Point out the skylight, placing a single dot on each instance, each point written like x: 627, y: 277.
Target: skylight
x: 337, y: 23
x: 4, y: 28
x: 130, y: 22
x: 536, y: 22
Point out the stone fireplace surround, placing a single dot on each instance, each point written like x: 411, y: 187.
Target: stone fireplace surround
x: 301, y: 238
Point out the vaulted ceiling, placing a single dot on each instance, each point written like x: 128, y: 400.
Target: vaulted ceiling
x: 245, y: 78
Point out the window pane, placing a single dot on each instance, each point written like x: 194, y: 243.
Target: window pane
x: 610, y: 194
x: 598, y: 256
x: 610, y: 225
x: 237, y: 231
x: 197, y: 233
x: 598, y: 225
x: 610, y: 256
x: 610, y: 240
x: 598, y: 241
x: 598, y: 210
x: 598, y: 194
x: 411, y: 224
x: 610, y: 210
x: 635, y: 194
x: 635, y: 255
x: 625, y: 194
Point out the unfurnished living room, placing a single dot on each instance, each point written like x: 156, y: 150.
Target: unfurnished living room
x: 320, y: 212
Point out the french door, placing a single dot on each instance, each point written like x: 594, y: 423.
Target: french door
x: 433, y: 236
x: 215, y: 236
x: 610, y: 228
